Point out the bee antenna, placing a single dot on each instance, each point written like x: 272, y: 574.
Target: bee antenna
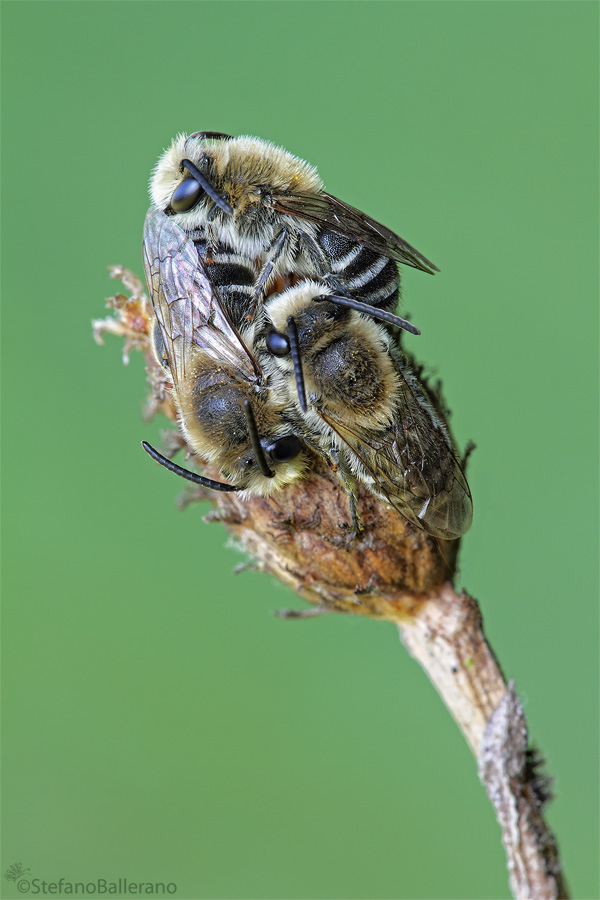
x: 205, y: 183
x: 212, y: 136
x: 259, y: 453
x: 369, y: 310
x: 185, y: 473
x: 297, y: 361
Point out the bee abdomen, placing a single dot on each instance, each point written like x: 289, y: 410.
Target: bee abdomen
x: 234, y: 277
x: 364, y: 272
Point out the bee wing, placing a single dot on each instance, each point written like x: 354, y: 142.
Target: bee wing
x: 186, y: 302
x: 413, y: 464
x: 325, y: 209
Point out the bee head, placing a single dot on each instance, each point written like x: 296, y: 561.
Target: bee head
x: 313, y: 320
x: 244, y: 433
x: 228, y: 187
x: 271, y: 462
x: 185, y: 181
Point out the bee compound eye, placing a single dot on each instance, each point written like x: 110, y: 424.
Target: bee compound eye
x: 277, y: 343
x: 185, y: 195
x: 285, y: 448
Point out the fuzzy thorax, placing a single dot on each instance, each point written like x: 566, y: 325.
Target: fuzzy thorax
x: 348, y: 371
x: 248, y: 173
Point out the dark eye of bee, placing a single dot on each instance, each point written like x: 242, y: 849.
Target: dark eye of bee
x: 285, y: 448
x: 277, y: 343
x: 186, y: 195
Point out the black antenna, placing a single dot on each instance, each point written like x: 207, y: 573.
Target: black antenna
x: 297, y: 361
x: 211, y: 136
x: 369, y: 310
x: 205, y: 183
x: 259, y: 453
x: 185, y: 473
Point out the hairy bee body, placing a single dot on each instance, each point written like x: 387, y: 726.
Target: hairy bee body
x: 233, y: 215
x: 230, y: 414
x: 360, y: 270
x: 362, y: 400
x: 233, y: 276
x: 268, y: 205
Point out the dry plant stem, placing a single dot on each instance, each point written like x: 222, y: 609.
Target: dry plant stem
x: 518, y: 790
x: 394, y: 572
x: 447, y: 638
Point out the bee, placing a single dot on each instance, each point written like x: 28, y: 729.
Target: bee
x: 248, y: 197
x: 356, y: 395
x: 228, y: 413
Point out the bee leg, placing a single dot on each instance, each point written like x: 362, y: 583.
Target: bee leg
x: 245, y: 567
x: 349, y: 485
x: 337, y: 286
x: 222, y: 516
x: 304, y: 613
x: 316, y: 255
x: 468, y: 450
x: 357, y: 526
x: 347, y: 479
x: 277, y: 251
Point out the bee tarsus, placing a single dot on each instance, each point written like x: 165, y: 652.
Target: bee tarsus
x: 277, y: 251
x: 304, y: 613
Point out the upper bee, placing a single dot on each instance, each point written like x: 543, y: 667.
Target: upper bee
x: 269, y: 205
x: 246, y: 172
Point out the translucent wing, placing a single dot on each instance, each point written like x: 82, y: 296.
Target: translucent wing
x: 327, y: 210
x: 413, y: 464
x: 186, y: 302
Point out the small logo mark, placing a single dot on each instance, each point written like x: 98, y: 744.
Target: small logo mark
x: 16, y: 871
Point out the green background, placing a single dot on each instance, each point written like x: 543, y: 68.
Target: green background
x: 159, y: 723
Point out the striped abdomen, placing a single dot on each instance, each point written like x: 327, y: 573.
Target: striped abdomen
x: 363, y: 272
x: 235, y: 278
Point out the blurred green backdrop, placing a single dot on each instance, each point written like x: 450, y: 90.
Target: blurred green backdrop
x: 159, y: 723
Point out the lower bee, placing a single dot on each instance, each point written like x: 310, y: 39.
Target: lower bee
x: 228, y: 413
x: 355, y: 394
x: 245, y: 196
